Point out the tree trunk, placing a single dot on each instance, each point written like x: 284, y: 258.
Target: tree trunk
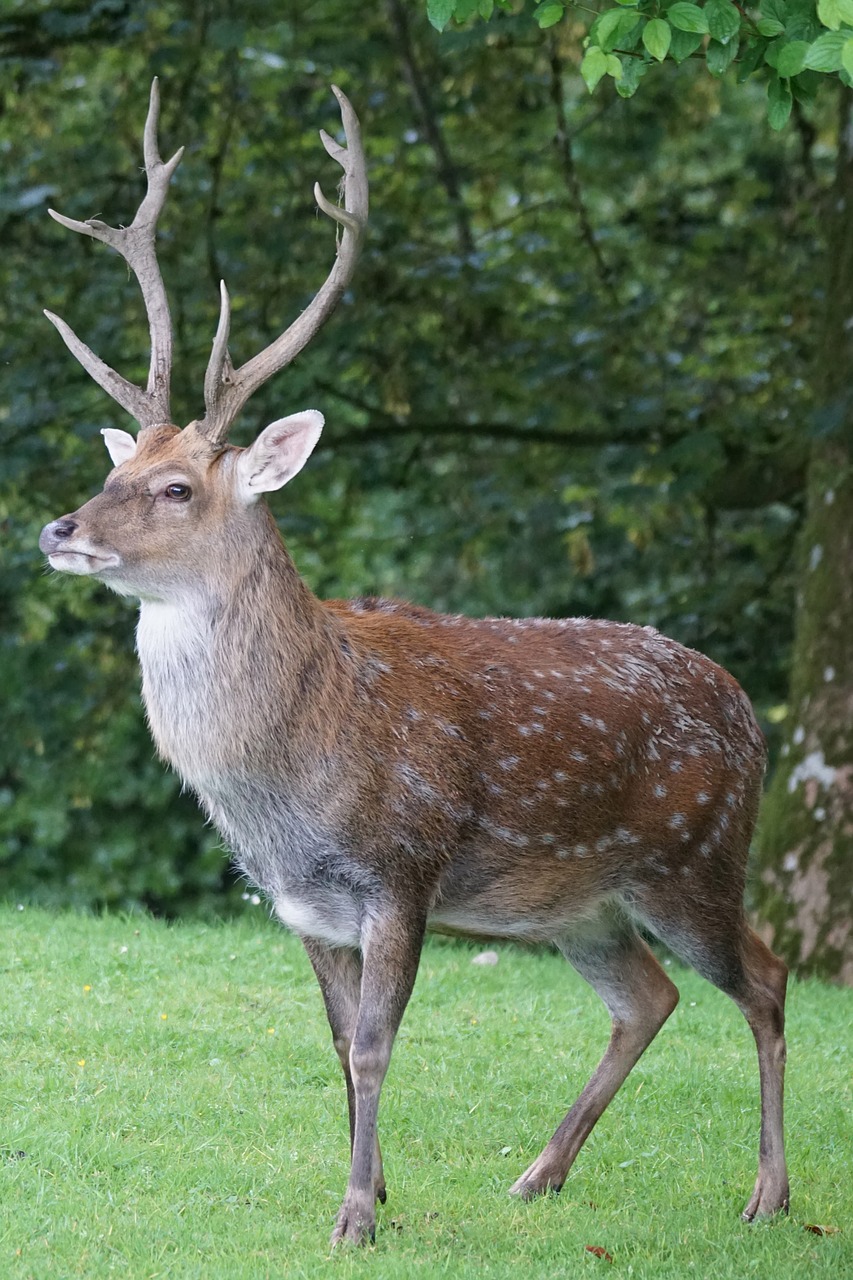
x: 804, y: 886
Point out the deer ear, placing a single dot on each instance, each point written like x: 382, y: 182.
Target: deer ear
x: 278, y: 454
x: 120, y: 445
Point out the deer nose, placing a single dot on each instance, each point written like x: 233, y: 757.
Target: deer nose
x: 55, y: 532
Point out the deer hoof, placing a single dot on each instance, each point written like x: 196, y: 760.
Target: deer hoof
x: 767, y: 1198
x: 356, y: 1224
x: 535, y: 1182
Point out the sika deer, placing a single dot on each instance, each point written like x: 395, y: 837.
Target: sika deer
x: 380, y: 769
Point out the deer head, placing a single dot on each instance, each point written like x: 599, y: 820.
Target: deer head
x: 145, y: 534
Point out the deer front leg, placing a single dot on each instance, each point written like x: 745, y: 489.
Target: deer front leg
x: 338, y: 971
x: 391, y: 945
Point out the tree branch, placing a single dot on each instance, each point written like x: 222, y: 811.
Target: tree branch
x: 416, y: 81
x: 563, y: 144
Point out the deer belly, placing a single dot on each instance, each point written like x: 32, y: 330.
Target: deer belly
x: 328, y: 913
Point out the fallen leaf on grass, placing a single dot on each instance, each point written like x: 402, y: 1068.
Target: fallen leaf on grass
x: 598, y: 1251
x: 820, y: 1231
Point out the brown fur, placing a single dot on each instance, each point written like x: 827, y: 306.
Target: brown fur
x: 380, y: 769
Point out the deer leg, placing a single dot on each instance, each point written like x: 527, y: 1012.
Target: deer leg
x: 639, y: 997
x: 728, y: 953
x: 764, y: 1009
x: 338, y: 971
x: 391, y: 950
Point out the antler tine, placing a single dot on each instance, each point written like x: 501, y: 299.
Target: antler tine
x: 227, y: 390
x: 136, y: 244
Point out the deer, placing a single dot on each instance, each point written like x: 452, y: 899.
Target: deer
x: 380, y: 770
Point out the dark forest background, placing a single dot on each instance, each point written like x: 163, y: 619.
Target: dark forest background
x: 575, y: 373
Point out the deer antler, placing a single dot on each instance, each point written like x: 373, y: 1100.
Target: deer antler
x: 136, y: 245
x: 226, y: 390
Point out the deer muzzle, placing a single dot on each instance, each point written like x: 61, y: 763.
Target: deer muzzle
x: 70, y: 552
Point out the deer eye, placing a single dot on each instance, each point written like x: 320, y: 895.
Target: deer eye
x: 178, y: 492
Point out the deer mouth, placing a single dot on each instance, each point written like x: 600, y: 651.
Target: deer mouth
x: 81, y: 562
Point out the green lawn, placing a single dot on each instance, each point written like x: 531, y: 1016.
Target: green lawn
x: 172, y: 1106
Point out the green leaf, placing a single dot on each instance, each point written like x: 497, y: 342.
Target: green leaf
x: 549, y: 15
x: 604, y: 26
x: 770, y: 27
x: 825, y: 53
x: 833, y: 13
x: 594, y: 66
x: 751, y: 58
x: 440, y: 12
x: 792, y: 58
x: 779, y: 102
x: 628, y: 36
x: 771, y: 56
x: 847, y: 56
x: 683, y: 44
x: 687, y: 17
x: 720, y: 57
x: 633, y: 70
x: 614, y: 66
x: 657, y: 37
x: 612, y: 27
x: 805, y: 86
x: 486, y: 8
x: 723, y: 20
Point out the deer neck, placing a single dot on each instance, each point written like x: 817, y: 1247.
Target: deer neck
x: 233, y: 669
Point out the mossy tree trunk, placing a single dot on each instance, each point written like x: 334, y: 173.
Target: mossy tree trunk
x: 805, y: 854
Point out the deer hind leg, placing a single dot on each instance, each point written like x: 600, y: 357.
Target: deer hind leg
x: 720, y: 945
x: 639, y: 997
x: 338, y: 971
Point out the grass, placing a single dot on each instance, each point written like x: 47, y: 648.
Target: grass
x: 172, y: 1107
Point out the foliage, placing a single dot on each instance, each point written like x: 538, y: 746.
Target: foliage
x: 571, y: 376
x: 175, y: 1108
x: 789, y: 44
